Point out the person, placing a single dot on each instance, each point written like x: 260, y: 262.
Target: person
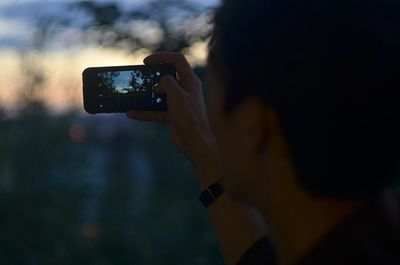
x: 301, y: 130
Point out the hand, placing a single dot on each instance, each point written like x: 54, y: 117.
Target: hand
x: 186, y: 116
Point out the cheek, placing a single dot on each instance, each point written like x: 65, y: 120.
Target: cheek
x: 229, y: 145
x: 219, y: 124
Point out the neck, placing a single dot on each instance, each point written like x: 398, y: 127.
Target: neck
x: 298, y: 220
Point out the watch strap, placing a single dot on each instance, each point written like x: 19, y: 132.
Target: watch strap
x: 211, y: 194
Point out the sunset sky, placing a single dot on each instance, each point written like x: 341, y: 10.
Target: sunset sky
x: 122, y: 81
x: 65, y: 54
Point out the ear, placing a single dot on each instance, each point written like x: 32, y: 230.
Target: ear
x: 253, y: 121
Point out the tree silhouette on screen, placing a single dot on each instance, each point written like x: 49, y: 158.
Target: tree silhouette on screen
x: 107, y: 81
x: 141, y: 81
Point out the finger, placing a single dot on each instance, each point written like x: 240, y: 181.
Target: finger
x: 166, y: 82
x: 171, y: 87
x: 183, y: 68
x: 147, y: 115
x: 160, y: 89
x: 174, y: 58
x: 173, y: 91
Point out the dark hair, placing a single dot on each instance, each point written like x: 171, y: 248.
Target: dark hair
x: 331, y: 70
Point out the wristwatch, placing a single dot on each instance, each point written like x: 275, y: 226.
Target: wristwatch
x: 211, y: 194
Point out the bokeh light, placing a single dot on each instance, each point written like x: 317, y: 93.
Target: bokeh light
x: 94, y: 189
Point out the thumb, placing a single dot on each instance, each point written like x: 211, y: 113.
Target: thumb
x: 169, y: 86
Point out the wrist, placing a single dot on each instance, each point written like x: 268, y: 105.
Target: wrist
x: 205, y: 164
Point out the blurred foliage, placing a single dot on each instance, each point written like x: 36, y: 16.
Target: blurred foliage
x: 157, y: 25
x: 99, y: 189
x: 180, y: 23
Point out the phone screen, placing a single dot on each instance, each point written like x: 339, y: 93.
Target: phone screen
x: 118, y: 89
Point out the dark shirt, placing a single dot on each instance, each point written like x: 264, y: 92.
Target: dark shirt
x: 371, y: 235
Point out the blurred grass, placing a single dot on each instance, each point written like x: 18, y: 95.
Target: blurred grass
x: 103, y: 189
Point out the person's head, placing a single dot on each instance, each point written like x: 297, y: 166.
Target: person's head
x: 313, y: 85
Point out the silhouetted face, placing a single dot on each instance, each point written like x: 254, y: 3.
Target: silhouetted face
x: 237, y: 164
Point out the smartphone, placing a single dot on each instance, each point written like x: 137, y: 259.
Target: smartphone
x: 122, y: 88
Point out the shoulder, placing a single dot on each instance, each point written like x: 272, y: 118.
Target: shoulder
x: 260, y: 253
x: 369, y: 236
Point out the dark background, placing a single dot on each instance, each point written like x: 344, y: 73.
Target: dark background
x: 98, y: 189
